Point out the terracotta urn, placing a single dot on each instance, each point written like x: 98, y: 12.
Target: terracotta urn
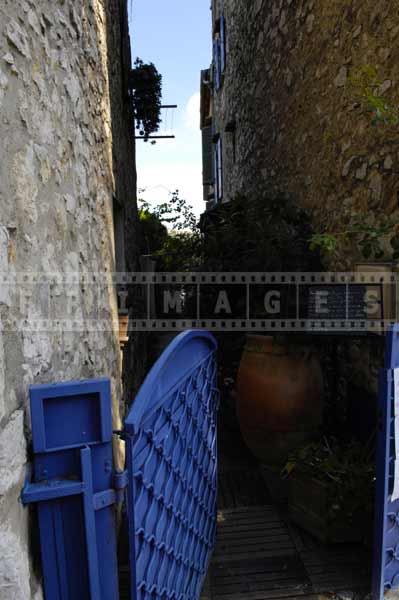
x: 279, y: 397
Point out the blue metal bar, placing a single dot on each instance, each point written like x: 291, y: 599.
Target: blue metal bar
x: 103, y: 499
x: 52, y: 586
x: 60, y: 550
x: 90, y: 524
x: 383, y: 452
x: 130, y: 503
x: 50, y: 490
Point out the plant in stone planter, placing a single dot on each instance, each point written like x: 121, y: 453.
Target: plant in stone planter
x: 331, y: 489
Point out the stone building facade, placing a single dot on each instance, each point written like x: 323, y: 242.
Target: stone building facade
x: 280, y: 114
x: 289, y: 118
x: 67, y: 205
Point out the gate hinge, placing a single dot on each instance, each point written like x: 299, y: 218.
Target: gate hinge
x: 120, y: 483
x: 114, y: 495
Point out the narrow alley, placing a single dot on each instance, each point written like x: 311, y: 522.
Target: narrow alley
x: 261, y: 555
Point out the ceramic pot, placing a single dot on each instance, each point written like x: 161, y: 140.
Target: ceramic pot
x: 279, y: 397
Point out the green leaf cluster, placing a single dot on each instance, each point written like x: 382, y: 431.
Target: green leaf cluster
x: 347, y: 468
x: 366, y: 85
x: 265, y: 233
x: 372, y: 236
x: 172, y: 235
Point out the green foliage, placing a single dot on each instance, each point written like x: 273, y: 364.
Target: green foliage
x: 154, y: 233
x: 181, y: 252
x: 366, y: 86
x: 145, y: 85
x: 372, y: 237
x: 258, y: 234
x: 348, y: 469
x: 326, y: 242
x: 177, y: 213
x: 178, y: 248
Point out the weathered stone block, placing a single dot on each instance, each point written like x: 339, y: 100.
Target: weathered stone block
x: 14, y: 565
x: 12, y: 452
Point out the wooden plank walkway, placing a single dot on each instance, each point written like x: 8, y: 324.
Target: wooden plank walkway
x: 260, y: 555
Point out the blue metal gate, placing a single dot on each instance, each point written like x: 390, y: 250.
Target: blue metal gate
x: 170, y: 481
x: 386, y: 538
x: 171, y: 455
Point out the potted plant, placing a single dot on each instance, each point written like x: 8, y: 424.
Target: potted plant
x: 331, y: 489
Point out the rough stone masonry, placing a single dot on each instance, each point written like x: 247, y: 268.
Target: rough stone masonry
x: 299, y: 127
x: 63, y: 134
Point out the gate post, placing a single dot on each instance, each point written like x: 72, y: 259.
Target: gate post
x: 386, y: 532
x: 73, y: 486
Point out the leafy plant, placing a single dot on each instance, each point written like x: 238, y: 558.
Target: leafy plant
x: 182, y: 251
x: 258, y: 234
x: 348, y: 469
x: 145, y: 85
x: 154, y: 233
x: 366, y: 86
x: 172, y: 233
x: 177, y: 213
x: 372, y: 237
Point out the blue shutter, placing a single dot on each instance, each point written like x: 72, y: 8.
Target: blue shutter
x: 222, y: 44
x: 216, y: 61
x: 220, y: 170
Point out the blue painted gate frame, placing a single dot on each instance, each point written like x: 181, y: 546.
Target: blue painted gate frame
x: 75, y: 488
x: 386, y: 536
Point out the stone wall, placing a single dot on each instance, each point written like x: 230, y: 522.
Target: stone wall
x: 295, y: 125
x: 64, y: 129
x: 299, y: 126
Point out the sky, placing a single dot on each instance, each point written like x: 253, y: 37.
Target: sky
x: 176, y: 36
